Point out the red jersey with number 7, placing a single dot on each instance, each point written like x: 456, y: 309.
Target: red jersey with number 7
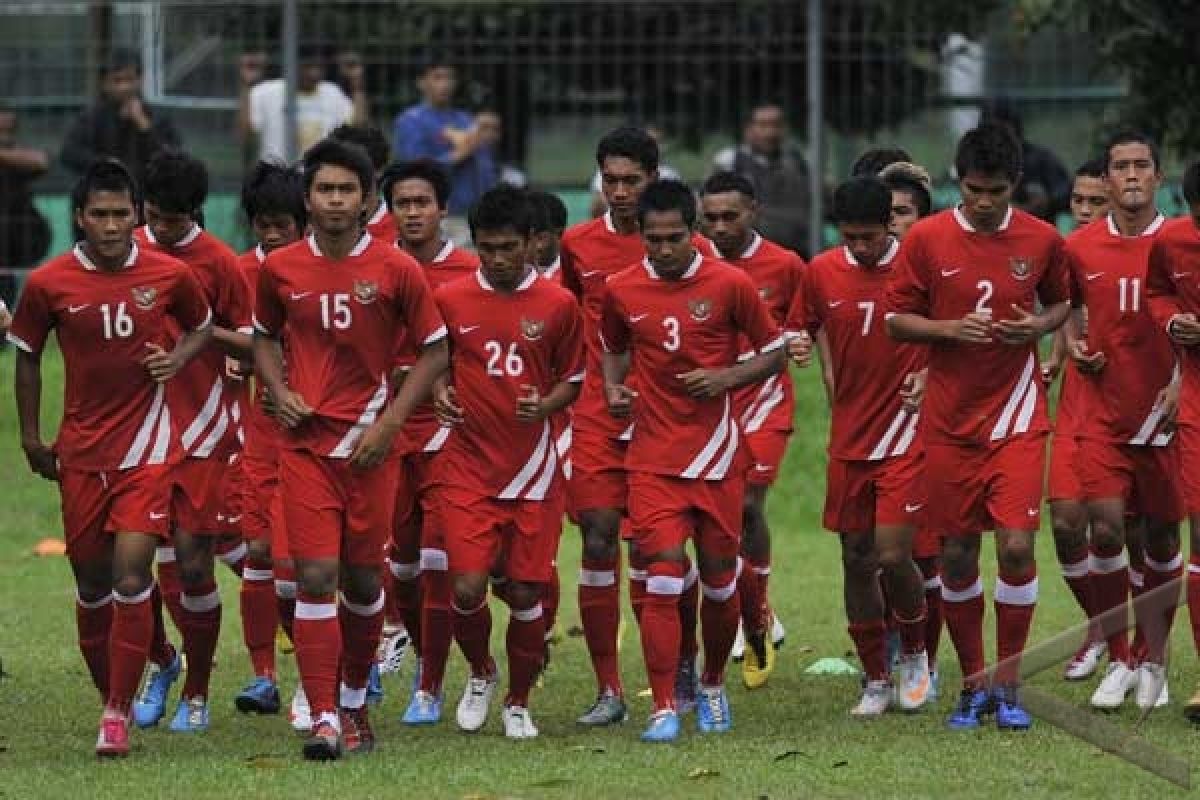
x: 672, y: 327
x: 342, y: 320
x: 980, y: 393
x: 114, y: 415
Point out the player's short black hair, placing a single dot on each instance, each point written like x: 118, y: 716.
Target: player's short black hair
x: 902, y: 180
x: 120, y: 58
x: 629, y: 142
x: 549, y: 212
x: 1092, y: 168
x: 668, y: 195
x: 104, y: 175
x: 729, y: 181
x: 1131, y: 136
x: 333, y: 153
x: 175, y: 182
x: 864, y: 200
x: 421, y: 169
x: 1191, y: 183
x: 502, y: 208
x: 370, y: 138
x: 990, y: 149
x: 273, y: 188
x: 872, y: 162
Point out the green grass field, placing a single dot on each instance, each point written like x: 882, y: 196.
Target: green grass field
x: 792, y: 739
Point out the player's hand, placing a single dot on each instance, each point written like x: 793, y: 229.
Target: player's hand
x: 1085, y: 360
x: 5, y: 320
x: 1168, y: 403
x: 913, y: 390
x: 1022, y: 329
x: 374, y: 446
x: 161, y: 365
x: 620, y: 400
x: 291, y: 410
x: 445, y: 405
x: 529, y: 405
x: 704, y: 383
x: 251, y: 68
x: 1050, y: 369
x: 974, y: 328
x: 1184, y: 330
x: 41, y: 459
x: 799, y: 349
x: 238, y: 370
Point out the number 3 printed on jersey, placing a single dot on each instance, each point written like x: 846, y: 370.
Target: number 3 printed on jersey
x: 671, y: 329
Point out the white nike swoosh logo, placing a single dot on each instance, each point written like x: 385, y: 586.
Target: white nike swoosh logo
x: 835, y: 304
x: 638, y: 318
x: 946, y: 273
x: 910, y: 509
x: 1091, y: 276
x: 1178, y: 275
x: 1033, y: 512
x: 154, y: 515
x: 590, y: 274
x: 300, y: 295
x: 762, y: 468
x: 467, y: 328
x: 234, y: 520
x: 77, y: 309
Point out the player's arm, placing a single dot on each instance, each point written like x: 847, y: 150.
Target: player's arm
x: 750, y: 317
x: 195, y: 318
x: 269, y: 315
x: 28, y: 389
x: 826, y: 358
x: 617, y: 395
x: 1162, y: 297
x: 568, y: 366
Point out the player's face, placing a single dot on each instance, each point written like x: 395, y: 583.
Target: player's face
x: 867, y: 243
x: 415, y: 209
x: 623, y: 180
x: 985, y: 199
x: 668, y: 241
x: 905, y: 213
x: 728, y: 220
x: 1133, y: 176
x: 504, y: 256
x: 168, y: 227
x: 335, y: 200
x: 1089, y: 199
x: 545, y: 247
x: 438, y: 85
x: 119, y: 85
x: 107, y: 220
x: 275, y: 230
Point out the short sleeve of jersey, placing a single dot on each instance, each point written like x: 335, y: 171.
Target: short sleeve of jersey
x: 188, y: 305
x: 234, y: 300
x: 1161, y: 293
x: 752, y: 317
x: 414, y: 300
x: 269, y: 313
x: 1071, y: 266
x: 908, y: 291
x: 569, y: 351
x: 32, y: 321
x: 803, y: 315
x: 1054, y: 286
x: 570, y: 273
x: 614, y: 333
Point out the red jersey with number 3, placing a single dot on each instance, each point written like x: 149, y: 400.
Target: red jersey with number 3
x: 114, y: 414
x: 342, y: 320
x: 1173, y: 287
x: 979, y: 393
x: 846, y: 300
x: 501, y: 344
x: 672, y: 327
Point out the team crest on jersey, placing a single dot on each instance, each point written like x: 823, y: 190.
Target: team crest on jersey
x: 366, y: 292
x: 144, y: 297
x: 1021, y: 267
x: 532, y: 329
x: 700, y: 309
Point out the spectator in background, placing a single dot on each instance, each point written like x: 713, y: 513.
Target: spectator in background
x: 435, y: 130
x: 24, y: 232
x: 1044, y: 189
x: 491, y: 131
x: 665, y: 172
x: 121, y: 124
x: 321, y: 105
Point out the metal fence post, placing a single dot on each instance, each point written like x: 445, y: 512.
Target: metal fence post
x: 816, y: 127
x: 291, y: 74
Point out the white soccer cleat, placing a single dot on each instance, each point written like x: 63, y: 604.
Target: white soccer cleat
x: 393, y: 644
x: 300, y: 715
x: 476, y: 700
x: 778, y: 634
x: 1085, y: 661
x: 912, y: 692
x: 876, y: 697
x: 739, y: 645
x: 1118, y: 681
x: 518, y: 723
x: 1151, y: 686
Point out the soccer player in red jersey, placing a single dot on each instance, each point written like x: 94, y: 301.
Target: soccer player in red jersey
x: 380, y: 221
x: 1173, y: 289
x: 417, y: 193
x: 764, y: 411
x: 273, y: 201
x: 1125, y: 458
x: 341, y: 301
x: 203, y: 403
x: 516, y: 341
x: 114, y: 308
x: 969, y: 280
x: 875, y: 496
x: 676, y: 323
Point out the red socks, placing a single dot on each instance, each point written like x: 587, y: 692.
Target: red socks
x: 524, y: 643
x: 405, y: 600
x: 689, y: 611
x: 1110, y: 589
x: 962, y: 606
x: 1193, y: 597
x: 94, y: 623
x: 169, y: 584
x: 361, y: 626
x: 720, y: 611
x: 260, y: 617
x: 870, y: 642
x: 128, y: 644
x: 436, y: 621
x: 318, y: 638
x: 752, y: 587
x: 933, y: 611
x: 473, y: 631
x: 600, y: 613
x: 551, y: 595
x: 201, y: 629
x: 660, y: 630
x: 1014, y: 599
x: 1157, y: 614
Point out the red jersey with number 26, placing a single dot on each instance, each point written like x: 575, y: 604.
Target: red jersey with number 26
x: 114, y: 414
x: 342, y: 320
x: 1173, y: 286
x: 672, y: 327
x: 979, y: 393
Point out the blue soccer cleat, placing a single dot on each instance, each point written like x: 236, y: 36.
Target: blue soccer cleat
x: 425, y: 708
x: 374, y: 686
x: 261, y: 696
x: 972, y: 704
x: 191, y: 716
x: 1010, y: 714
x: 663, y: 727
x: 152, y: 705
x: 686, y: 683
x: 712, y: 710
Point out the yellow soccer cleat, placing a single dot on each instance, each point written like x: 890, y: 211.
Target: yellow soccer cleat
x: 283, y: 642
x: 759, y: 661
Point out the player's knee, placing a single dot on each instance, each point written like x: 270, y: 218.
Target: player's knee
x: 960, y: 560
x: 317, y: 579
x: 892, y: 556
x: 470, y: 591
x: 858, y: 556
x: 132, y: 584
x: 599, y: 542
x: 362, y: 585
x: 1016, y: 555
x: 523, y: 596
x: 259, y: 551
x: 195, y: 571
x: 1162, y: 540
x: 1107, y: 536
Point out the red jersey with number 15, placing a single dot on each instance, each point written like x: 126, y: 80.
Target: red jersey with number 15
x: 979, y: 394
x: 1173, y: 287
x: 342, y: 320
x: 672, y: 327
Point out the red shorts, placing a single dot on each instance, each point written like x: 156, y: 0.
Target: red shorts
x: 767, y: 449
x: 666, y: 511
x: 1187, y: 442
x: 414, y: 506
x: 995, y: 487
x: 199, y: 497
x: 260, y: 485
x: 1063, y: 480
x: 484, y: 532
x: 97, y: 504
x: 1144, y: 477
x: 598, y: 478
x: 280, y: 550
x: 861, y: 496
x: 333, y: 510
